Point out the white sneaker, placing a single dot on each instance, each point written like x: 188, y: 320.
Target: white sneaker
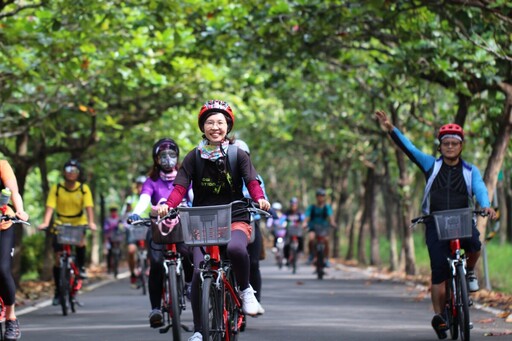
x: 196, y: 337
x: 261, y: 311
x: 472, y: 281
x: 249, y: 301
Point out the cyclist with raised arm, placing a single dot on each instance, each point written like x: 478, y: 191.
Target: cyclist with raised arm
x: 451, y: 183
x: 318, y: 216
x: 254, y: 248
x: 69, y: 199
x: 155, y: 190
x: 131, y: 244
x: 214, y: 182
x: 7, y: 284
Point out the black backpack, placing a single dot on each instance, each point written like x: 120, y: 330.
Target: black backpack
x: 324, y: 212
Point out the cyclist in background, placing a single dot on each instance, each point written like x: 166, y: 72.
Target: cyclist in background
x: 277, y: 221
x: 451, y: 184
x: 295, y: 219
x: 111, y: 226
x: 7, y: 284
x: 216, y: 185
x: 155, y: 190
x: 319, y: 215
x: 131, y: 244
x: 69, y: 199
x: 254, y: 248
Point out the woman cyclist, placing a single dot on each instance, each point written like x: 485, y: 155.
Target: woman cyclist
x: 216, y: 185
x: 155, y: 190
x: 7, y: 285
x: 69, y: 199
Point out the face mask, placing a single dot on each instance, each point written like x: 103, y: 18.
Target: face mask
x: 167, y: 160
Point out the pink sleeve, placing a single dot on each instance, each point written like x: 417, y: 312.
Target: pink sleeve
x: 176, y: 196
x: 255, y: 190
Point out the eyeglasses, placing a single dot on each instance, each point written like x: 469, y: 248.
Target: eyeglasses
x: 211, y: 124
x: 71, y: 169
x: 451, y: 143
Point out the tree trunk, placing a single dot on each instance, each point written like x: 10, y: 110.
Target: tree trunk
x: 389, y: 207
x: 499, y: 150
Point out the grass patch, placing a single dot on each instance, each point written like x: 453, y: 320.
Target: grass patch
x: 498, y: 258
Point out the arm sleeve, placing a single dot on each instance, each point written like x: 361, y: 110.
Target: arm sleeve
x: 479, y: 188
x: 176, y: 196
x: 422, y: 160
x: 88, y: 201
x: 144, y: 201
x: 255, y: 190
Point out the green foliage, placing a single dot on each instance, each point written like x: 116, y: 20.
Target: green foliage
x: 31, y: 254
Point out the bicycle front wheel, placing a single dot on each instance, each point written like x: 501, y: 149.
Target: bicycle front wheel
x: 320, y: 261
x: 234, y: 317
x: 451, y: 308
x: 64, y: 287
x: 141, y: 276
x: 462, y: 300
x: 211, y: 310
x: 175, y: 310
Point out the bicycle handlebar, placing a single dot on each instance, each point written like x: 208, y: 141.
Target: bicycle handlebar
x: 14, y: 219
x: 143, y: 221
x: 249, y: 205
x: 422, y: 219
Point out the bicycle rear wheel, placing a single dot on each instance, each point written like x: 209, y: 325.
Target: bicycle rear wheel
x: 211, y: 310
x: 64, y: 287
x: 174, y: 307
x: 462, y: 300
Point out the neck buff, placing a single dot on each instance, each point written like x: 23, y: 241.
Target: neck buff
x: 168, y: 176
x: 213, y: 152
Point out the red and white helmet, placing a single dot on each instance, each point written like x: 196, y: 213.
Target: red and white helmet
x: 450, y: 129
x: 216, y: 106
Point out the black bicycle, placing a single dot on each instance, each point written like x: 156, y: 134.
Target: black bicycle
x: 454, y: 225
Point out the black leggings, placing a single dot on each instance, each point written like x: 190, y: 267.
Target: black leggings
x: 254, y: 250
x: 7, y: 285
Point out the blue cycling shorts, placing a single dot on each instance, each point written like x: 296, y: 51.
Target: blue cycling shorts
x: 439, y: 251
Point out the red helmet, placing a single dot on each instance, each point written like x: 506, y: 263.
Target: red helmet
x: 451, y: 129
x: 216, y: 106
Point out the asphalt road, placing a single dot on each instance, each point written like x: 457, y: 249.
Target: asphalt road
x: 349, y: 304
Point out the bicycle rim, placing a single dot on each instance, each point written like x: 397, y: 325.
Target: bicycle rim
x: 142, y: 276
x: 64, y: 288
x: 234, y: 319
x: 72, y: 294
x: 462, y: 304
x: 450, y: 309
x: 211, y: 311
x: 175, y: 310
